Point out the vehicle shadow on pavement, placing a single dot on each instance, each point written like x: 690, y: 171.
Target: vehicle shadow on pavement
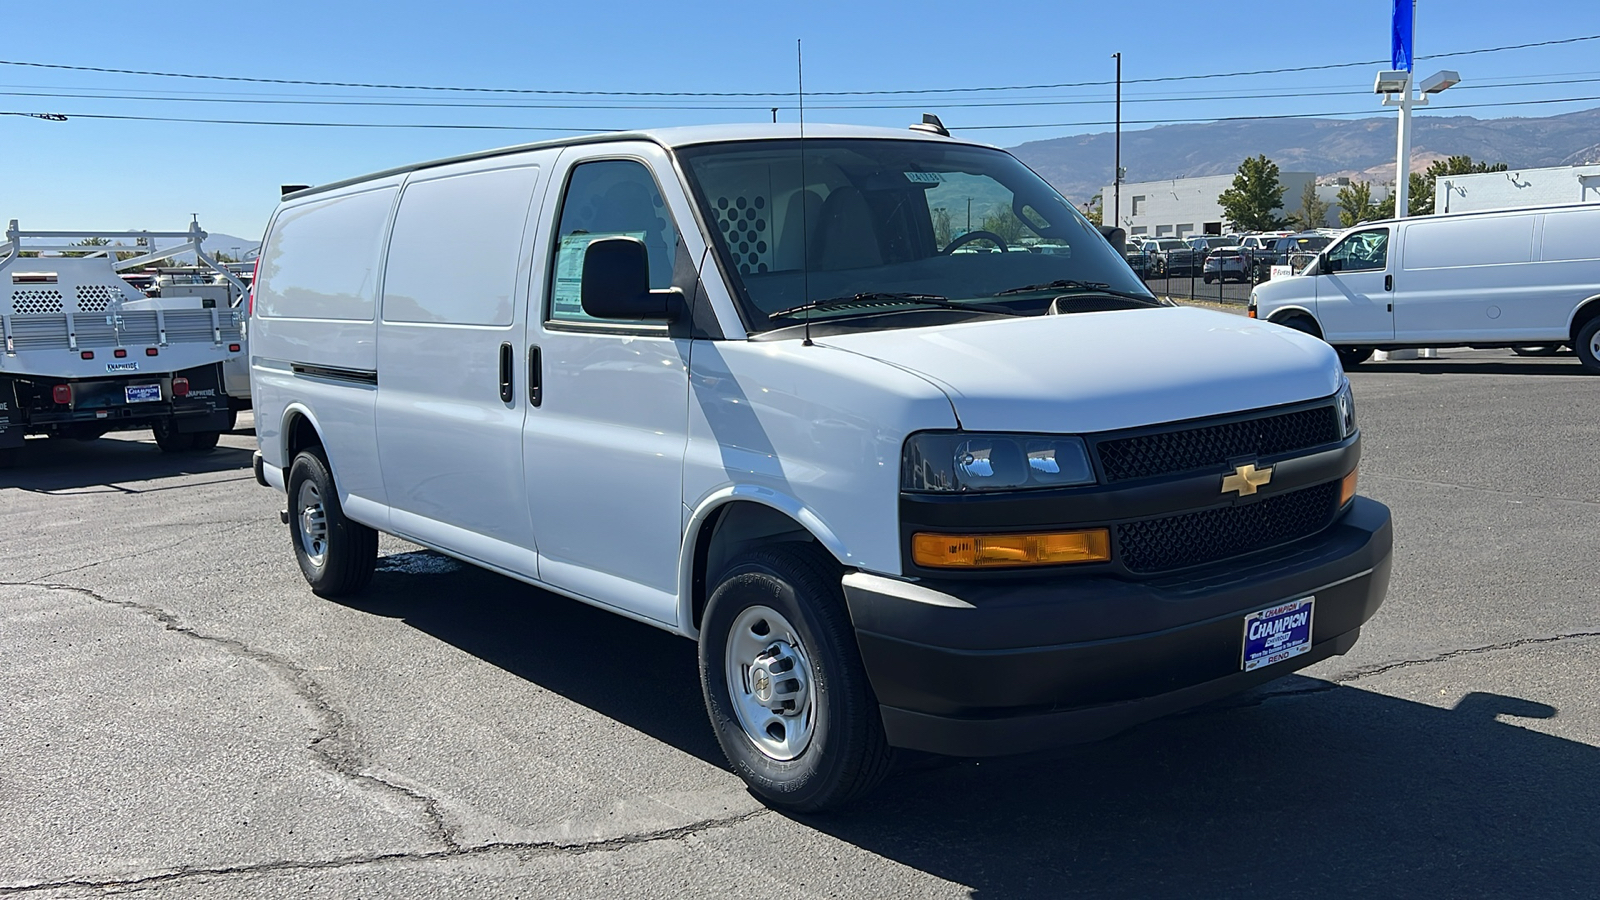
x: 1301, y: 788
x: 1569, y: 366
x: 48, y: 466
x: 635, y: 674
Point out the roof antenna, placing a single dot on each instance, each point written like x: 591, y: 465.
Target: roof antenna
x: 805, y: 227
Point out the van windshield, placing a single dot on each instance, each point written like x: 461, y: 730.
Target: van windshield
x: 892, y: 217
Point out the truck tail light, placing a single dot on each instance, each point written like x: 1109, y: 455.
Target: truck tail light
x: 87, y: 354
x: 151, y: 351
x: 250, y: 306
x: 120, y: 353
x: 180, y: 386
x: 62, y: 394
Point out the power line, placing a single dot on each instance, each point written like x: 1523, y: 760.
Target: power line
x: 589, y: 129
x: 1317, y: 115
x: 961, y: 90
x: 991, y: 104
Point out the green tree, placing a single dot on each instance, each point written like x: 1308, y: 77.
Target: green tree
x: 1313, y: 209
x: 86, y: 242
x: 1255, y: 194
x: 1355, y: 203
x: 1421, y: 201
x: 943, y: 233
x: 1003, y: 222
x: 1095, y: 210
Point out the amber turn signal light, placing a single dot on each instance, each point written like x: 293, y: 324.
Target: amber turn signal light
x: 946, y: 551
x: 1347, y: 487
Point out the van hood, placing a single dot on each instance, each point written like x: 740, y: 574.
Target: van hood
x: 1100, y: 371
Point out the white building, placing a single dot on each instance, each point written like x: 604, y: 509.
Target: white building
x: 1516, y: 188
x: 1181, y: 207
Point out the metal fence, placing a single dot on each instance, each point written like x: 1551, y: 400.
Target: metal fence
x: 1181, y: 279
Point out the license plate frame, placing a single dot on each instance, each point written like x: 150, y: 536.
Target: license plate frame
x: 1277, y: 633
x: 142, y: 393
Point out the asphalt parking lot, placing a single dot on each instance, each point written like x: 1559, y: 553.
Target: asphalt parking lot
x: 184, y: 718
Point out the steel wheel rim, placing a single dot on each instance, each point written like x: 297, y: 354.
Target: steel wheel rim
x: 770, y: 683
x: 1594, y: 345
x: 311, y: 523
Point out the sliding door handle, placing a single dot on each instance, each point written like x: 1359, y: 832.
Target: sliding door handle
x: 535, y: 379
x: 506, y: 392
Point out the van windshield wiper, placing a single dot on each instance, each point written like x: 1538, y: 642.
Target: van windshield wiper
x: 874, y: 300
x: 1070, y: 285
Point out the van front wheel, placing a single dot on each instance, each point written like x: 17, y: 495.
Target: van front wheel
x: 1350, y: 357
x: 1588, y: 345
x: 783, y: 681
x: 336, y: 555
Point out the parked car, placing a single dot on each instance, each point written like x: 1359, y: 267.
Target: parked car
x: 1169, y: 256
x: 968, y: 505
x: 1258, y: 251
x: 1227, y: 263
x: 1304, y: 242
x: 1503, y: 278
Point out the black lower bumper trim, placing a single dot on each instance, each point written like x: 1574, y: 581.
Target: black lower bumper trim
x: 955, y: 736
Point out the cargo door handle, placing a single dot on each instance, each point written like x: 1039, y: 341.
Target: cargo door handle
x: 1388, y: 282
x: 535, y: 382
x: 506, y: 393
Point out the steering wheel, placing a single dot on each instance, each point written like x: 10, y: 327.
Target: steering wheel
x: 989, y: 236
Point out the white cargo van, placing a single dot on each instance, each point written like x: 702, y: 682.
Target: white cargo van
x: 744, y: 387
x: 1504, y: 278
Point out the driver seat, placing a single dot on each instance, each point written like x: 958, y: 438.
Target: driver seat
x: 846, y: 236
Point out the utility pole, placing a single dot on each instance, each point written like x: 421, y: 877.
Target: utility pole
x: 1116, y: 165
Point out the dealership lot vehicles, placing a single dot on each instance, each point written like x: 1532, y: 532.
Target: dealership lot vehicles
x: 733, y: 383
x: 1505, y: 278
x: 85, y: 352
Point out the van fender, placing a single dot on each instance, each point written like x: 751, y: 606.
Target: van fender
x: 1283, y: 313
x: 1581, y: 314
x: 788, y: 505
x: 294, y: 409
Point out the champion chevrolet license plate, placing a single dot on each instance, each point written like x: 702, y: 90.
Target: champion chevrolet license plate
x: 1276, y: 634
x: 142, y: 393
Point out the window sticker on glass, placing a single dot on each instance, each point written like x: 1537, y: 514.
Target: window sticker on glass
x: 566, y: 301
x: 924, y: 178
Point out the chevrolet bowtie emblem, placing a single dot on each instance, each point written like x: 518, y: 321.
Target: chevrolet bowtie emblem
x: 1246, y: 478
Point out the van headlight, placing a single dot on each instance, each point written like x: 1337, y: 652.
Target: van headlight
x: 1346, y: 403
x: 961, y: 461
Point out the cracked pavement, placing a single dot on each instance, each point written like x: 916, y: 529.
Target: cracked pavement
x: 182, y: 718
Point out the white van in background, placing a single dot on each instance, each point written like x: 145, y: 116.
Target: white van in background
x: 901, y: 495
x: 1501, y: 278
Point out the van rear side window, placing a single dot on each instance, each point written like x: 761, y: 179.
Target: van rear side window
x: 1469, y: 242
x: 456, y: 243
x: 321, y: 261
x: 1572, y: 235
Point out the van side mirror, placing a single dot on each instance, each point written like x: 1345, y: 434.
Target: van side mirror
x: 1324, y: 265
x: 616, y: 282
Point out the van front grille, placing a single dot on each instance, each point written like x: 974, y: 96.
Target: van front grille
x: 1191, y: 539
x: 1212, y: 446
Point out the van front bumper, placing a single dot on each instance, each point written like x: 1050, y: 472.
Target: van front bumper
x: 985, y: 668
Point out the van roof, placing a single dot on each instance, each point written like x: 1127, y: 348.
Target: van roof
x: 670, y: 138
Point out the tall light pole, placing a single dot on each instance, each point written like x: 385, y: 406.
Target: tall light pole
x: 1395, y: 86
x: 1116, y: 165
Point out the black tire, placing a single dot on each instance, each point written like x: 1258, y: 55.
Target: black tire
x: 1588, y: 345
x: 169, y: 438
x: 204, y: 441
x: 1209, y: 278
x: 1301, y: 323
x: 10, y: 456
x: 1537, y: 350
x: 847, y: 754
x: 1350, y: 357
x: 349, y: 550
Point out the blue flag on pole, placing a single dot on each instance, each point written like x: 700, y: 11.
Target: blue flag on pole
x: 1405, y: 16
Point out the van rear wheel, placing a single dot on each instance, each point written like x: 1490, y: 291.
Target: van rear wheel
x: 1350, y: 357
x: 783, y: 681
x: 169, y: 438
x: 336, y: 555
x: 1588, y: 345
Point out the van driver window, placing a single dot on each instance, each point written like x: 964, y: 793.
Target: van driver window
x: 1363, y: 251
x: 611, y: 198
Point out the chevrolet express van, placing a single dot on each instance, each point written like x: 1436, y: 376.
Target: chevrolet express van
x: 742, y: 386
x: 1503, y: 278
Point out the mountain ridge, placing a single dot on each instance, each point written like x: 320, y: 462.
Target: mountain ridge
x: 1079, y: 166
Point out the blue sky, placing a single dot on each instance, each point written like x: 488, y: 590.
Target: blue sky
x: 108, y: 173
